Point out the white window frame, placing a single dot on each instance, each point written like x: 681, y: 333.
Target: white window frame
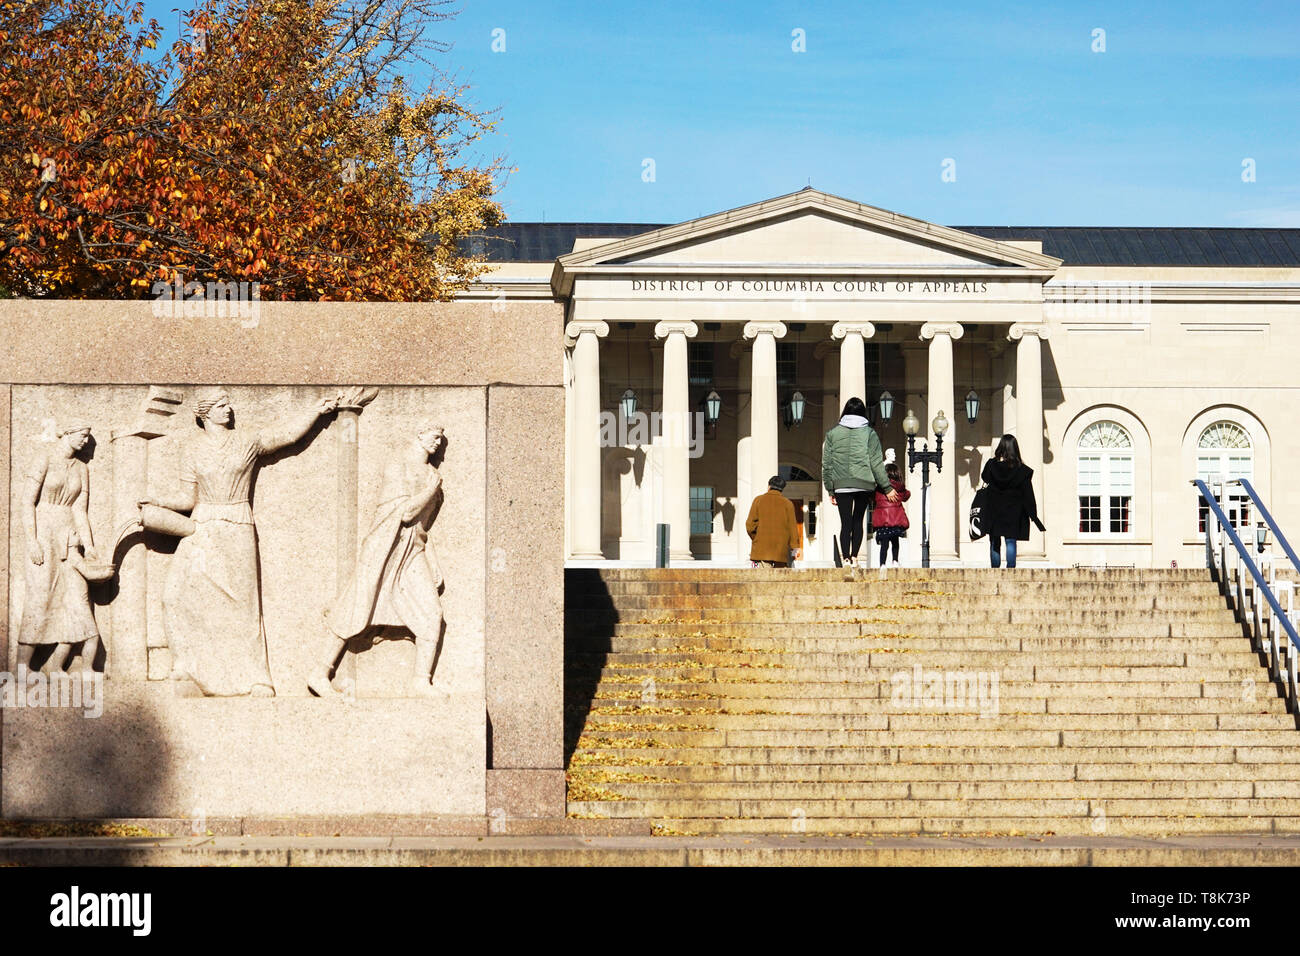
x: 1237, y: 499
x: 1106, y: 455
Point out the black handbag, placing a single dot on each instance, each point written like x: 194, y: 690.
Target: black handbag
x: 979, y: 514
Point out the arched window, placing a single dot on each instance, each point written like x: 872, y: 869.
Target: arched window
x: 1105, y: 479
x: 1224, y: 453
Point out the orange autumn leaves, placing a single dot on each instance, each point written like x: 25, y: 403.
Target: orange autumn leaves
x: 258, y: 148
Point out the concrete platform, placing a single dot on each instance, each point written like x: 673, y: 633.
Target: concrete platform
x: 1214, y: 851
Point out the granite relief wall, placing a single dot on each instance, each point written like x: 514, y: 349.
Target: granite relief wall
x: 388, y: 454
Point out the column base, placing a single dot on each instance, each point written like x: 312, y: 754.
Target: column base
x: 587, y: 556
x: 683, y: 556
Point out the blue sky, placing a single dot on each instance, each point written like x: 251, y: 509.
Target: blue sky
x: 1041, y: 129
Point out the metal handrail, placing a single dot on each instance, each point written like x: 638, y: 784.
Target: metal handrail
x: 1278, y: 536
x: 1286, y: 672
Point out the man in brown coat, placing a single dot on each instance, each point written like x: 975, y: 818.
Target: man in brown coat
x: 772, y: 527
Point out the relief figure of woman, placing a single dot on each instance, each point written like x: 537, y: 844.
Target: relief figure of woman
x: 212, y: 605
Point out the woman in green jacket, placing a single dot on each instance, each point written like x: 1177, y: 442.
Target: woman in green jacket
x: 852, y: 466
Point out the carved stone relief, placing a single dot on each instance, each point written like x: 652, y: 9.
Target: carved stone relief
x: 198, y: 518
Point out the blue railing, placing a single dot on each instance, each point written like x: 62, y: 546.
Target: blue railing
x: 1278, y: 536
x: 1282, y: 670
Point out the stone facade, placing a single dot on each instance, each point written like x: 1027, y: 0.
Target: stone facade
x: 465, y: 549
x: 1186, y: 367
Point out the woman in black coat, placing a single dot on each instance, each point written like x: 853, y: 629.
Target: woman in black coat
x: 1011, y: 505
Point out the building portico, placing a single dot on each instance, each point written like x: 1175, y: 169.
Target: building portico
x: 703, y: 357
x: 803, y: 282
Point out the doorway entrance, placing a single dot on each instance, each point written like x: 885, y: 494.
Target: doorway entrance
x: 805, y: 493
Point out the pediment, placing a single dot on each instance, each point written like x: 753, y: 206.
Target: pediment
x: 803, y: 229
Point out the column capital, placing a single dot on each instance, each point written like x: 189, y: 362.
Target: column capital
x: 669, y: 326
x: 1020, y: 330
x: 578, y: 326
x: 953, y: 330
x: 759, y: 327
x: 862, y: 327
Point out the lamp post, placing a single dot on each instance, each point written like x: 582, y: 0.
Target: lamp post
x: 911, y: 426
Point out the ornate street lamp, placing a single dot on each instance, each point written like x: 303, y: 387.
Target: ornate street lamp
x: 1261, y: 536
x: 972, y: 406
x: 911, y: 426
x: 627, y: 404
x: 886, y: 407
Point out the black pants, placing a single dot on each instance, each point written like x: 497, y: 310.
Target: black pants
x: 854, y: 507
x: 884, y: 548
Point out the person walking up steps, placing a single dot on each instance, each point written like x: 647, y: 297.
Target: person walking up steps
x: 852, y: 468
x: 889, y: 519
x: 772, y: 527
x: 1011, y: 500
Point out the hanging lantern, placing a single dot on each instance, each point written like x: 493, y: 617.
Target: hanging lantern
x: 797, y: 405
x: 628, y: 404
x: 886, y: 407
x: 972, y: 406
x: 712, y: 408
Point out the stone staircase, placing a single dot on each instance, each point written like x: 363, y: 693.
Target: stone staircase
x: 961, y: 702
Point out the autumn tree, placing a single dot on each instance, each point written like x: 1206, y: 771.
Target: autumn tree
x: 277, y: 142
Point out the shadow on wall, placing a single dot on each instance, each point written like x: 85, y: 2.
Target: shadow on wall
x: 60, y: 764
x: 589, y: 619
x: 1053, y: 396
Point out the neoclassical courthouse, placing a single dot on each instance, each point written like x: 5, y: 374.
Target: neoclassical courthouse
x: 706, y: 356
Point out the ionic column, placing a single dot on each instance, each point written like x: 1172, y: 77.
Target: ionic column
x: 764, y: 415
x: 828, y: 516
x: 853, y: 372
x: 1029, y: 409
x: 744, y: 494
x: 676, y: 436
x: 943, y: 488
x: 583, y: 338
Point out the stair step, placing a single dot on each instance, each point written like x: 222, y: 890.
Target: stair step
x: 1093, y: 792
x: 893, y: 720
x: 1128, y: 702
x: 994, y: 826
x: 989, y: 772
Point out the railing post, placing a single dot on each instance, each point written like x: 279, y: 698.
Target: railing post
x: 1266, y: 634
x: 1291, y: 678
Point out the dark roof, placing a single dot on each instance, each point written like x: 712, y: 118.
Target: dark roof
x: 1156, y: 245
x: 1077, y: 245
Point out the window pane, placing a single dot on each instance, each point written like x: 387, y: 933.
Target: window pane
x: 1089, y: 474
x: 1121, y: 475
x: 1105, y: 435
x: 1089, y: 514
x: 699, y: 361
x: 1119, y: 509
x: 871, y: 359
x: 702, y: 510
x: 1208, y: 467
x: 786, y: 360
